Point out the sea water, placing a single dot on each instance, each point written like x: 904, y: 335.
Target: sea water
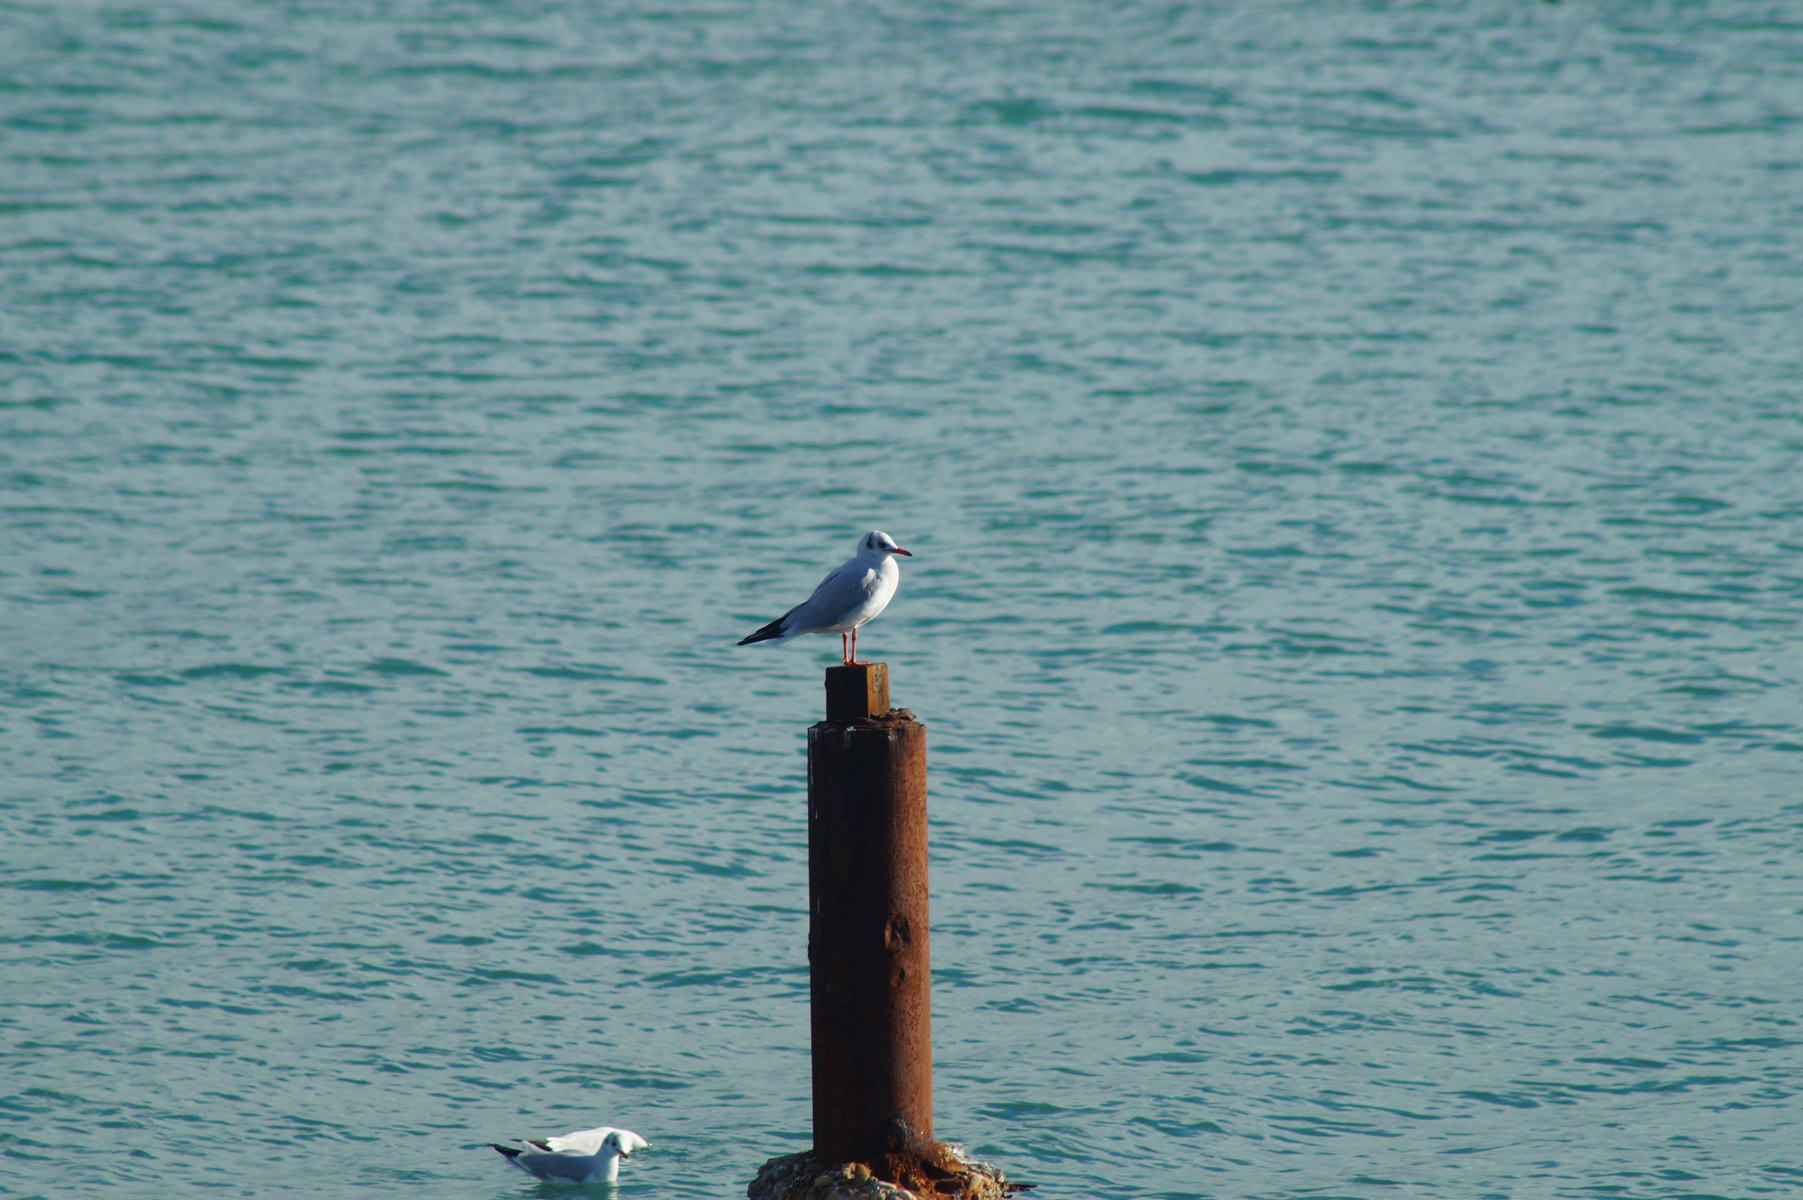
x: 1351, y: 454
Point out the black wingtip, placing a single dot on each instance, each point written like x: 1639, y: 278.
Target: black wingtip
x: 509, y: 1151
x: 772, y: 630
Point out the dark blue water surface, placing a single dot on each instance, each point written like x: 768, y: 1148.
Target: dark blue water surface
x: 1353, y: 454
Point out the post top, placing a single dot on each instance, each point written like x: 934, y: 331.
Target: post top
x: 857, y: 691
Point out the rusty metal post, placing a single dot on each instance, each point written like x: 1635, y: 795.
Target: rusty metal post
x: 867, y: 922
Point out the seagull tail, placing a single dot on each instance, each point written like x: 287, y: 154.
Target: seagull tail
x: 772, y: 632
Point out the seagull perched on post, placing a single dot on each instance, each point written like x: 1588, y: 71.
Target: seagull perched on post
x: 853, y: 594
x: 586, y: 1156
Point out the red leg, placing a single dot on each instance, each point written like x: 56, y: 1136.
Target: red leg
x: 844, y: 649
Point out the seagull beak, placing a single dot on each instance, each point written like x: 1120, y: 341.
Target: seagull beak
x: 899, y: 550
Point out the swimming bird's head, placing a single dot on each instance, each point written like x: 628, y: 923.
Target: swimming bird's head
x: 622, y: 1142
x: 877, y: 544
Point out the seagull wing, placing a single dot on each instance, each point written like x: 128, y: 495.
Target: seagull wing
x: 844, y: 590
x: 587, y: 1141
x: 565, y: 1168
x: 839, y: 595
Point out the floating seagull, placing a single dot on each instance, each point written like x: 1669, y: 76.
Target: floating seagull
x: 586, y: 1156
x: 851, y: 595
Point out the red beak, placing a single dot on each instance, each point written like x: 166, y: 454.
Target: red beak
x: 909, y: 553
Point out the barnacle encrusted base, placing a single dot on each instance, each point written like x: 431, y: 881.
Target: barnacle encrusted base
x: 940, y: 1171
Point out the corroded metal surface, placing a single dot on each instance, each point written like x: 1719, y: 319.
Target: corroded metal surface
x: 867, y: 937
x: 857, y: 692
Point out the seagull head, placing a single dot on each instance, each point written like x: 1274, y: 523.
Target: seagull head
x: 622, y: 1142
x: 877, y: 544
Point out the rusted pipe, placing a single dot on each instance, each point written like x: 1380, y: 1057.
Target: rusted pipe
x: 868, y: 968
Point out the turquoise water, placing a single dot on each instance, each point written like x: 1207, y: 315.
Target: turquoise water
x: 1353, y: 455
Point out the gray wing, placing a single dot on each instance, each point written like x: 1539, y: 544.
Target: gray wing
x: 566, y: 1168
x: 840, y: 594
x: 588, y: 1141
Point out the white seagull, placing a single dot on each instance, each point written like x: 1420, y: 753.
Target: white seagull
x: 853, y: 594
x: 586, y: 1156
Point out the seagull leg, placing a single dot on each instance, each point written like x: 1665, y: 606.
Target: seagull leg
x: 854, y: 648
x: 844, y: 649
